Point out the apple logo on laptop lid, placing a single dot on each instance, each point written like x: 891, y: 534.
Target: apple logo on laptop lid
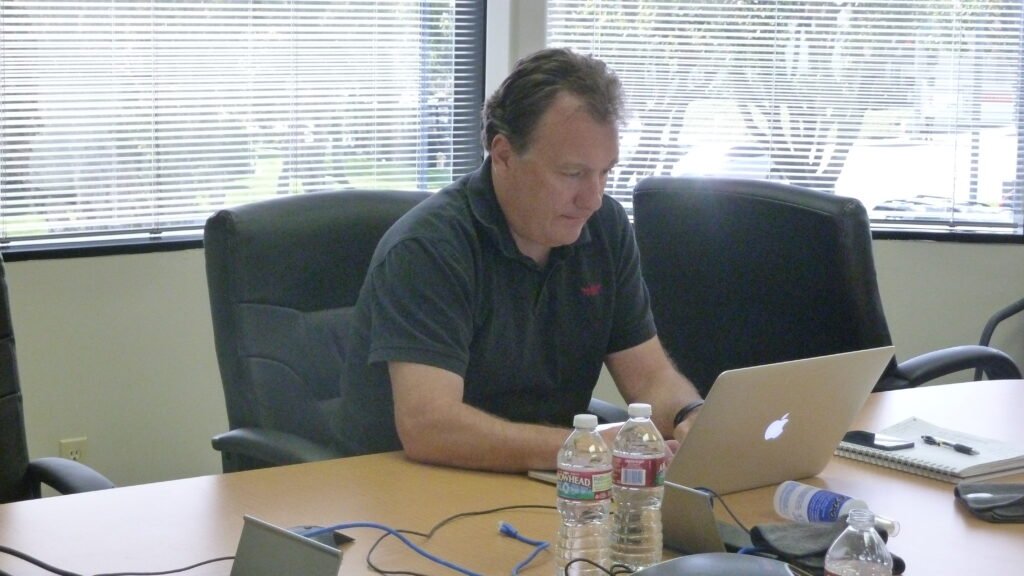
x: 776, y: 428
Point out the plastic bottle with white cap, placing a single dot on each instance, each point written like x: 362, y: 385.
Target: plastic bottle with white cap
x: 804, y: 503
x: 584, y: 501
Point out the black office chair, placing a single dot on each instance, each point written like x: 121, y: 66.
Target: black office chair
x: 283, y: 276
x: 21, y: 478
x: 749, y: 272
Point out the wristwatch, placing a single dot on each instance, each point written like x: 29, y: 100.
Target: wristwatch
x: 685, y: 412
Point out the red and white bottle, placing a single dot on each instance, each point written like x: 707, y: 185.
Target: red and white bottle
x: 638, y: 486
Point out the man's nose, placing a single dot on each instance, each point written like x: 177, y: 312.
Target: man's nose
x: 591, y: 194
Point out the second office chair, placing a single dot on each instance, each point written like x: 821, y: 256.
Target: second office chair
x: 748, y: 272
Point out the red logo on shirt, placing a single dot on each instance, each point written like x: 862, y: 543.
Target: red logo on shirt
x: 591, y: 289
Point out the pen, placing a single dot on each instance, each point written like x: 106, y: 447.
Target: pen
x: 961, y: 448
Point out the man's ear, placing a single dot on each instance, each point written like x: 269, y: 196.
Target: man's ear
x: 501, y: 151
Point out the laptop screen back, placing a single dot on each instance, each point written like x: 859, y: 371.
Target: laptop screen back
x: 766, y: 424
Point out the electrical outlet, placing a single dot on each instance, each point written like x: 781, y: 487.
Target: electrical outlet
x: 73, y: 448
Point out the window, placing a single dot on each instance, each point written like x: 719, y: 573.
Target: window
x: 913, y: 107
x: 138, y: 118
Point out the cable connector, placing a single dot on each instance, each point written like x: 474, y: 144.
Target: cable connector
x: 508, y: 530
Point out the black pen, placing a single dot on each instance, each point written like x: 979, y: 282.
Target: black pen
x: 961, y: 448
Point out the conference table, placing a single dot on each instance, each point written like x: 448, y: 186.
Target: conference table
x: 168, y: 525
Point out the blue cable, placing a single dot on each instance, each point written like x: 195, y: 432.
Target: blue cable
x: 504, y: 528
x: 396, y: 534
x: 539, y: 545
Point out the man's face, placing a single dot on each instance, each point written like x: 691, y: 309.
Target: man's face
x: 549, y: 191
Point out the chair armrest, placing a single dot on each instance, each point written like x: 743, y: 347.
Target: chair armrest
x: 272, y: 446
x: 996, y: 364
x: 990, y: 326
x: 607, y: 412
x: 66, y: 476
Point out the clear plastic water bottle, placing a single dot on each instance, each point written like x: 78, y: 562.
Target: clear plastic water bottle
x: 805, y: 503
x: 584, y: 500
x: 859, y: 550
x: 638, y: 486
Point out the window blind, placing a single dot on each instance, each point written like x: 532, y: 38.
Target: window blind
x: 128, y: 118
x: 911, y: 106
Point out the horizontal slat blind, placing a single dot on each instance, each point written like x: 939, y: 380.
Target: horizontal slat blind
x: 912, y: 106
x: 121, y: 116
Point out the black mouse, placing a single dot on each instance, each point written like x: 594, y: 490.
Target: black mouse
x: 718, y: 564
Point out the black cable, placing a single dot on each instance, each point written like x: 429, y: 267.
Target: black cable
x: 454, y: 517
x: 369, y: 554
x: 793, y: 567
x: 62, y: 572
x: 378, y: 570
x: 36, y: 561
x: 615, y: 570
x: 716, y: 496
x: 430, y: 534
x: 585, y: 561
x: 174, y: 571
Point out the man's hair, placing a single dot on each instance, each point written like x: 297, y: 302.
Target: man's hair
x: 529, y: 90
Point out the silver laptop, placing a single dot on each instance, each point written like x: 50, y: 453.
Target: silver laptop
x: 766, y: 424
x: 760, y: 426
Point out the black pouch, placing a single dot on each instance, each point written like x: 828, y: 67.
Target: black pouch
x: 804, y: 544
x: 992, y: 502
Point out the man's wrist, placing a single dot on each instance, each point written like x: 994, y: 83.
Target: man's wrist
x: 686, y: 411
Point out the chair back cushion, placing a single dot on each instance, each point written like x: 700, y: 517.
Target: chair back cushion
x: 283, y: 275
x: 14, y: 481
x: 748, y: 272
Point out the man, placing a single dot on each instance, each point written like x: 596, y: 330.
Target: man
x: 489, y: 309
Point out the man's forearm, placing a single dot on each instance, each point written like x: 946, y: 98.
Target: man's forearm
x: 645, y: 373
x: 669, y: 393
x: 470, y: 438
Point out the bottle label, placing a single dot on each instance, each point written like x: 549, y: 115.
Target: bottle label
x: 639, y: 472
x: 805, y: 503
x: 585, y: 484
x: 825, y: 506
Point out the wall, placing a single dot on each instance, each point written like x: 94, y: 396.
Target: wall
x: 941, y: 294
x: 120, y: 349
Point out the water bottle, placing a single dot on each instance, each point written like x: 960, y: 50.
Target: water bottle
x: 584, y: 500
x: 859, y: 550
x: 805, y: 503
x: 638, y: 485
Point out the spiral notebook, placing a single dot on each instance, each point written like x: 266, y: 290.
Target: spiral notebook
x: 993, y: 458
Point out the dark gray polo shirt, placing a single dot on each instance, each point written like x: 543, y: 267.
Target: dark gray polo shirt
x: 447, y: 287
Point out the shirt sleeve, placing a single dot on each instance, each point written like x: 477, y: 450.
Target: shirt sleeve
x: 421, y: 307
